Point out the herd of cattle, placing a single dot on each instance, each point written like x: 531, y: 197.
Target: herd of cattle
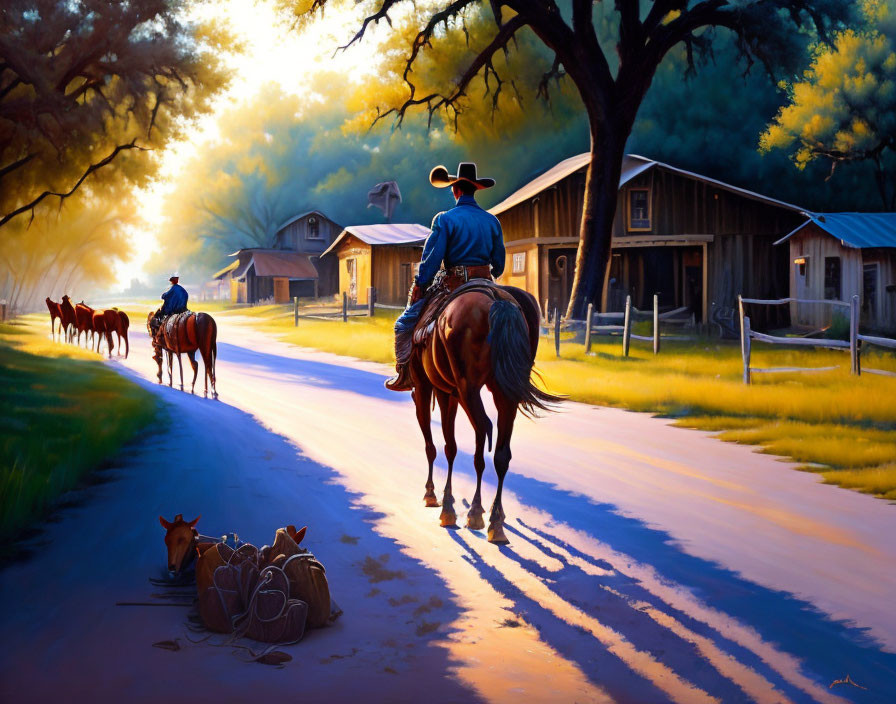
x: 96, y: 324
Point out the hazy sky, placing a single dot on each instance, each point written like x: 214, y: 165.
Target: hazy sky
x: 272, y: 53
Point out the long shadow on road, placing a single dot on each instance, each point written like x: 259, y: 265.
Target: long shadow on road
x: 218, y: 461
x: 823, y: 649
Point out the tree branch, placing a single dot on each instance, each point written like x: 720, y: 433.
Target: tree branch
x: 62, y: 196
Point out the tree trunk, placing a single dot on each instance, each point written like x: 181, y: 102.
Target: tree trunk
x: 598, y: 211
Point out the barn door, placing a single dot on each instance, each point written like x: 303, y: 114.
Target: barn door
x: 561, y: 265
x: 352, y: 265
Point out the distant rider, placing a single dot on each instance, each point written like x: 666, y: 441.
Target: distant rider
x: 175, y: 301
x: 467, y: 239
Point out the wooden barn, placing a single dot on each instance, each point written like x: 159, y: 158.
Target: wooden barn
x: 835, y: 256
x: 695, y: 241
x: 291, y: 268
x: 384, y: 257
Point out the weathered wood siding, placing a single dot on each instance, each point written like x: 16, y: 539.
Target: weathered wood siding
x: 353, y: 249
x: 741, y: 259
x: 297, y: 235
x: 393, y: 272
x: 528, y: 278
x: 814, y: 245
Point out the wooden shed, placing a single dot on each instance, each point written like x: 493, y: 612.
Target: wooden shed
x: 835, y: 256
x: 384, y: 257
x: 300, y: 240
x: 695, y: 241
x: 268, y: 274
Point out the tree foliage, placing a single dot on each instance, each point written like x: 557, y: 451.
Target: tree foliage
x: 611, y: 79
x: 85, y: 85
x: 280, y: 155
x: 844, y: 108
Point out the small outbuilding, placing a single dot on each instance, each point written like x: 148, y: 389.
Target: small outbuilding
x: 835, y: 256
x: 269, y: 274
x: 383, y: 257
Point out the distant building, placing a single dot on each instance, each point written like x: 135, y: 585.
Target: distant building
x: 835, y: 256
x: 695, y: 241
x: 291, y: 268
x: 380, y: 256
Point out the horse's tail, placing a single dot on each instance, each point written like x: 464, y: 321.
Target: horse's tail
x: 512, y: 359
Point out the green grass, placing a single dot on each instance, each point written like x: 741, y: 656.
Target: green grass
x: 62, y: 414
x: 840, y: 426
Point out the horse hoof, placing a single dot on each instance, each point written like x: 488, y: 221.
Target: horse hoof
x: 448, y: 519
x: 496, y: 535
x: 474, y: 521
x: 430, y: 501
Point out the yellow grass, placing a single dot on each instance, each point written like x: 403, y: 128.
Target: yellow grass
x: 838, y: 424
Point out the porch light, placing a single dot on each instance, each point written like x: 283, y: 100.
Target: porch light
x: 799, y: 260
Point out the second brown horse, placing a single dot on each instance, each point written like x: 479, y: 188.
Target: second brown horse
x: 187, y: 333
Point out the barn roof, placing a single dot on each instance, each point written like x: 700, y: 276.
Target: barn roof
x: 632, y: 166
x: 384, y: 234
x: 272, y: 262
x: 291, y: 220
x: 230, y: 267
x: 858, y: 230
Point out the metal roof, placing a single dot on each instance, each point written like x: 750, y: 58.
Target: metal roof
x: 230, y: 267
x: 632, y: 166
x: 271, y: 262
x: 858, y: 230
x: 383, y: 234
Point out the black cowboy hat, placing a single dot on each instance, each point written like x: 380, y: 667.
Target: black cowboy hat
x: 466, y: 171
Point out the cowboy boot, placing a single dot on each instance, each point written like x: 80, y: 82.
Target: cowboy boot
x: 402, y: 379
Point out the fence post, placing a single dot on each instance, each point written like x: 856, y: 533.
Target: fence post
x: 588, y: 328
x: 740, y: 315
x: 557, y: 331
x: 854, y: 336
x: 656, y: 323
x: 3, y: 309
x: 627, y: 326
x: 371, y: 297
x: 295, y: 310
x: 547, y: 312
x: 344, y: 307
x: 745, y: 342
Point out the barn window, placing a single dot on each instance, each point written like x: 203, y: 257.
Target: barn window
x: 832, y: 278
x: 639, y: 209
x: 313, y: 228
x: 519, y: 263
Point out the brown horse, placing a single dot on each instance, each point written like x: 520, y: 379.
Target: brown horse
x: 55, y: 312
x: 69, y: 321
x: 187, y: 333
x: 121, y: 329
x: 181, y: 539
x: 98, y: 318
x: 484, y: 337
x: 84, y: 322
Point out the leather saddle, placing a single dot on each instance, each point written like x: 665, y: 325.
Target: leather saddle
x: 443, y: 296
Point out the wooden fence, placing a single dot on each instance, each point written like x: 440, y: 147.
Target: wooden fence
x: 854, y: 345
x: 672, y: 317
x: 345, y: 311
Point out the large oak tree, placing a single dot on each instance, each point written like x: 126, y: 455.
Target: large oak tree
x: 85, y: 84
x: 611, y: 78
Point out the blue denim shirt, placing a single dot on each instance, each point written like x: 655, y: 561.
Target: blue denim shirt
x: 466, y: 235
x: 175, y: 300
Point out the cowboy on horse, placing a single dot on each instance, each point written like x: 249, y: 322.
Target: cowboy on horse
x: 175, y: 301
x: 467, y: 239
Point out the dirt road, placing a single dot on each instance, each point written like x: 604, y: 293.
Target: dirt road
x: 647, y: 563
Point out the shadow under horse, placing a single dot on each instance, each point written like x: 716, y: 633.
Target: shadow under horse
x: 487, y: 335
x: 185, y: 333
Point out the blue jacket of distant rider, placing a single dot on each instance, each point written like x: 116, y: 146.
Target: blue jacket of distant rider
x: 466, y: 235
x: 175, y: 300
